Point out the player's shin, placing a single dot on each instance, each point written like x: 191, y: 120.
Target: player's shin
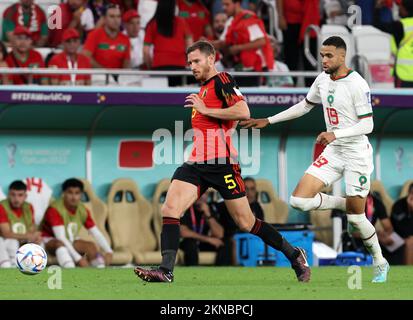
x: 332, y: 202
x: 169, y: 242
x: 63, y: 258
x: 274, y: 239
x: 360, y: 223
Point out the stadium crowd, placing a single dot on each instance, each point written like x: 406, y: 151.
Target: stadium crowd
x: 112, y: 34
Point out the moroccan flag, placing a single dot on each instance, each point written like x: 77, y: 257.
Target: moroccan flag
x: 135, y: 154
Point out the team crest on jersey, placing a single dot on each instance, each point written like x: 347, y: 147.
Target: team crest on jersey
x: 193, y: 113
x: 203, y: 94
x: 330, y: 99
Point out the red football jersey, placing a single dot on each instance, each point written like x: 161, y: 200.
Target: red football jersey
x: 213, y: 137
x: 18, y: 212
x: 168, y: 51
x: 196, y: 16
x: 32, y: 60
x: 60, y: 61
x: 108, y: 52
x: 52, y: 218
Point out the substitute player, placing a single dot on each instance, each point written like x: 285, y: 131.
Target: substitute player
x: 345, y: 97
x: 215, y: 113
x: 61, y: 225
x: 16, y: 223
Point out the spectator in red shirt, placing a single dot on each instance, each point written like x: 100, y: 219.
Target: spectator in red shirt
x: 132, y: 24
x: 23, y: 56
x: 294, y: 17
x: 3, y: 63
x: 196, y: 16
x: 108, y: 47
x: 247, y: 42
x: 74, y: 14
x: 70, y: 59
x: 170, y: 36
x: 218, y: 25
x: 26, y: 13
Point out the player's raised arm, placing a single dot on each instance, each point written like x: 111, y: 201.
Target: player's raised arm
x: 293, y: 112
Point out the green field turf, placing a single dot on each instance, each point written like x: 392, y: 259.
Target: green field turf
x: 207, y: 283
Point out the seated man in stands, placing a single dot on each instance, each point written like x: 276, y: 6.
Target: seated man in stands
x: 74, y: 14
x: 107, y: 47
x: 201, y: 231
x: 61, y: 225
x: 132, y: 24
x: 28, y: 14
x: 16, y: 223
x: 23, y: 56
x: 70, y: 58
x: 402, y: 220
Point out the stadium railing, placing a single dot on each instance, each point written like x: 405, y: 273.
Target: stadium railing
x: 134, y: 77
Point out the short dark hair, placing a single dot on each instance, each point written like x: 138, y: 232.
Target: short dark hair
x: 111, y: 6
x: 249, y: 179
x: 411, y: 187
x: 72, y: 183
x: 335, y: 41
x: 18, y: 185
x: 203, y: 46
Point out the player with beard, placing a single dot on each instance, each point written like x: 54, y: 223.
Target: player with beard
x: 346, y: 101
x: 216, y: 110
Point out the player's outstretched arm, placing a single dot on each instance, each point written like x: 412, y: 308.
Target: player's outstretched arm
x: 364, y: 126
x: 293, y: 112
x: 238, y: 111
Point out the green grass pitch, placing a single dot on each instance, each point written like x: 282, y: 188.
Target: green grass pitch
x: 217, y: 283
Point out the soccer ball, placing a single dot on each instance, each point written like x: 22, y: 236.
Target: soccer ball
x: 31, y: 259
